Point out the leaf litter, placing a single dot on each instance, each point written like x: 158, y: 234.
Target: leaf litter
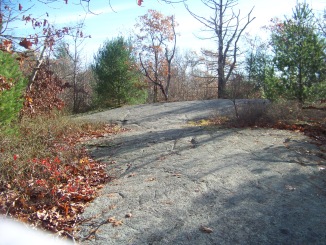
x: 55, y: 195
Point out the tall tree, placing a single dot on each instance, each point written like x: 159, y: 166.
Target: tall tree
x: 116, y: 74
x: 68, y: 65
x: 299, y: 52
x: 226, y: 27
x: 69, y: 58
x: 156, y: 40
x: 258, y: 61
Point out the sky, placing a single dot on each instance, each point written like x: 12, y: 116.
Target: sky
x: 110, y: 22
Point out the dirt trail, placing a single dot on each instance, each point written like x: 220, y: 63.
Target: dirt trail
x: 182, y: 184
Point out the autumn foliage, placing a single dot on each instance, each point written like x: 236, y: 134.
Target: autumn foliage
x: 156, y: 44
x: 47, y: 177
x: 43, y: 95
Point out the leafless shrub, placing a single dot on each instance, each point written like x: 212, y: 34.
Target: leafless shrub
x: 261, y: 113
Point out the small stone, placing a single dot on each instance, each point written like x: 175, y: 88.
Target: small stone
x: 128, y: 215
x: 206, y: 229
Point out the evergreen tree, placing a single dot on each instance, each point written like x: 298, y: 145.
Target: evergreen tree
x: 117, y: 79
x: 299, y: 53
x: 258, y: 64
x: 11, y: 98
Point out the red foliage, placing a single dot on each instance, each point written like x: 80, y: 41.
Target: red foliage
x: 315, y: 131
x: 140, y: 2
x: 55, y: 190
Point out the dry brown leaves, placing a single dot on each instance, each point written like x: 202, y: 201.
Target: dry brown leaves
x: 56, y: 193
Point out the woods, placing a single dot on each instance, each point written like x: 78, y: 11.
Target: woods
x: 278, y: 70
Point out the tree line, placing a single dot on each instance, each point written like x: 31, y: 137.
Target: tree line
x: 148, y: 66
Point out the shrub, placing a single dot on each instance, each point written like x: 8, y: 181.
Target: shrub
x: 11, y: 97
x: 250, y: 113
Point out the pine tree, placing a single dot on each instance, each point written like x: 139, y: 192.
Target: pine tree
x: 299, y: 53
x: 11, y: 98
x: 116, y: 74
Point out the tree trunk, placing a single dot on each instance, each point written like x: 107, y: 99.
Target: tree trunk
x: 163, y: 92
x: 155, y: 94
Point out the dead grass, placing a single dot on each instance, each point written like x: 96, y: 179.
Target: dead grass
x: 254, y: 113
x: 282, y: 115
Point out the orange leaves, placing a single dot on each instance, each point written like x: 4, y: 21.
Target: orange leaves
x: 156, y: 40
x: 156, y: 22
x: 114, y: 221
x: 6, y: 45
x: 26, y: 43
x: 287, y: 126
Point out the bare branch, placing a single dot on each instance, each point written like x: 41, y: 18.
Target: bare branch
x: 227, y: 30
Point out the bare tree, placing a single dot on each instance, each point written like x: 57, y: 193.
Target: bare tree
x: 68, y: 65
x: 226, y: 27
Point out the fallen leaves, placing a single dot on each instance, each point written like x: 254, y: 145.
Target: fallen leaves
x: 55, y: 191
x: 206, y: 229
x: 111, y: 207
x: 114, y: 222
x: 202, y: 122
x: 290, y: 187
x: 5, y: 83
x: 110, y: 220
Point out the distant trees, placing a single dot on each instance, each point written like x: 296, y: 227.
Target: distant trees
x: 117, y: 77
x: 77, y: 76
x: 226, y: 28
x: 191, y: 79
x: 69, y: 66
x: 292, y: 65
x: 156, y: 43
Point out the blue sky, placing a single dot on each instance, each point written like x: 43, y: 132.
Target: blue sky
x: 107, y: 24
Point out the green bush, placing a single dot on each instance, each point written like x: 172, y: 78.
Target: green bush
x: 11, y: 100
x: 316, y: 92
